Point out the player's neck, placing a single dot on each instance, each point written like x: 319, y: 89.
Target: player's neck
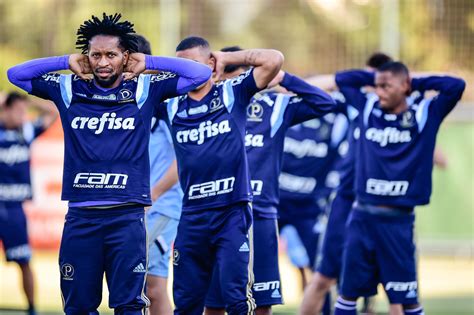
x: 199, y: 93
x: 400, y: 108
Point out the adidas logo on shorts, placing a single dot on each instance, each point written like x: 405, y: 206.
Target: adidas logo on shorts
x: 411, y: 295
x: 276, y: 294
x: 139, y: 268
x: 244, y: 247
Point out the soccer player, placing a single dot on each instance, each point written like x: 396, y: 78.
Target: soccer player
x: 163, y: 217
x: 16, y: 137
x: 307, y: 179
x: 208, y: 129
x: 393, y: 175
x: 329, y: 260
x: 269, y: 115
x: 106, y: 115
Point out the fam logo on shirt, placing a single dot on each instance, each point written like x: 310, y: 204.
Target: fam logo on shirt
x: 254, y: 112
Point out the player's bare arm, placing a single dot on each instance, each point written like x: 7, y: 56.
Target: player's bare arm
x: 267, y: 63
x: 169, y: 179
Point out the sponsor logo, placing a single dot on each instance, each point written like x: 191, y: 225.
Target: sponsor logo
x: 211, y: 188
x: 216, y: 104
x: 139, y: 268
x: 198, y: 110
x: 244, y: 248
x: 182, y: 114
x: 19, y: 252
x: 305, y: 148
x: 175, y: 257
x: 390, y: 117
x: 254, y: 112
x: 293, y: 183
x: 110, y: 97
x: 265, y: 286
x: 386, y: 188
x: 206, y: 130
x: 408, y: 120
x: 67, y: 271
x: 51, y: 77
x: 14, y: 154
x: 387, y: 135
x: 15, y: 191
x: 108, y: 121
x: 100, y: 180
x: 162, y: 76
x: 253, y: 140
x: 257, y: 187
x: 401, y: 286
x: 276, y: 294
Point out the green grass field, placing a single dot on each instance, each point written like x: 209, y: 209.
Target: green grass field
x: 446, y: 277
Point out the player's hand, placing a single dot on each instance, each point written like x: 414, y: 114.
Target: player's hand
x: 277, y: 79
x: 79, y: 65
x: 219, y: 66
x: 135, y: 65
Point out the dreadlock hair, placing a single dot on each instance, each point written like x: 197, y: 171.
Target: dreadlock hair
x: 109, y: 25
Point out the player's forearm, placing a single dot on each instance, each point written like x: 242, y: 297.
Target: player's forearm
x: 22, y: 74
x: 448, y: 86
x: 311, y: 94
x: 48, y: 111
x: 266, y: 63
x: 192, y: 74
x: 169, y: 179
x: 326, y: 82
x: 355, y: 79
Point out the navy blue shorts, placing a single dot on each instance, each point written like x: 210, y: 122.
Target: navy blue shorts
x: 330, y: 256
x: 380, y: 249
x: 14, y: 232
x: 97, y: 241
x: 216, y: 237
x: 267, y: 286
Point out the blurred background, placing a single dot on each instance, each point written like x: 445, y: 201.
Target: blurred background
x: 317, y: 37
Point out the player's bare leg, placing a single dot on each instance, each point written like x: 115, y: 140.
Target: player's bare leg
x: 315, y: 294
x: 156, y: 288
x: 396, y: 309
x: 28, y: 284
x: 304, y: 281
x: 368, y: 306
x: 214, y: 311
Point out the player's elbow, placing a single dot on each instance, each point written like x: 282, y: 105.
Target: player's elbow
x: 12, y: 75
x: 275, y: 60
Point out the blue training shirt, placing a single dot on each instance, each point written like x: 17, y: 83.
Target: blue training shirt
x: 106, y: 134
x: 310, y: 153
x: 161, y: 157
x: 269, y: 115
x: 15, y: 179
x: 208, y: 137
x: 395, y: 152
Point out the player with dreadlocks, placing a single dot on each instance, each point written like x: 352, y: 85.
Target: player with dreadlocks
x: 106, y: 110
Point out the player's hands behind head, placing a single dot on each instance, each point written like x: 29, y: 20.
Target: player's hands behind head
x: 135, y: 65
x: 79, y: 65
x: 219, y: 65
x: 277, y: 79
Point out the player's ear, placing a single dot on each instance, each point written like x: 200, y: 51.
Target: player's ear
x: 212, y: 63
x: 125, y: 57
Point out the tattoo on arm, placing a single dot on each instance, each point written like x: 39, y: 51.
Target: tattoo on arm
x: 251, y: 57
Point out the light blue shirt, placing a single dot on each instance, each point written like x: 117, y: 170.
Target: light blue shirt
x: 161, y: 156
